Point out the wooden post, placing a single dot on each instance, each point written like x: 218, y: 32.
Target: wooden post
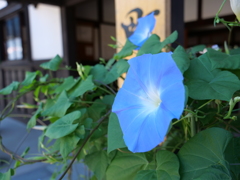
x: 128, y: 11
x: 168, y: 14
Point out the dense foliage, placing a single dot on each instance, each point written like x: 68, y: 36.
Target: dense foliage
x: 203, y: 144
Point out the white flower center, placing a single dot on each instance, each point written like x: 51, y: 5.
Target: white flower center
x: 154, y: 100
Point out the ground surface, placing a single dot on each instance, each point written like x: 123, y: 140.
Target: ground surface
x: 16, y: 138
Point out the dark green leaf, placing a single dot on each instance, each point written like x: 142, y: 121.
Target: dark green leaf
x: 63, y: 126
x: 233, y: 157
x: 30, y: 77
x: 8, y: 90
x: 67, y: 84
x: 167, y: 166
x: 126, y: 166
x: 109, y: 63
x: 153, y: 44
x: 127, y: 50
x: 197, y: 48
x: 81, y: 87
x: 80, y: 132
x: 32, y: 121
x: 116, y: 71
x: 222, y: 60
x: 60, y: 107
x: 53, y: 64
x: 205, y: 150
x: 181, y: 58
x: 146, y: 175
x: 97, y: 109
x: 67, y: 144
x: 99, y: 72
x: 97, y: 162
x: 205, y: 83
x: 115, y: 135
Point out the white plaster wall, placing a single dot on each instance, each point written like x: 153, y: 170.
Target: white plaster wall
x: 45, y: 31
x: 210, y: 8
x: 190, y: 10
x: 3, y: 4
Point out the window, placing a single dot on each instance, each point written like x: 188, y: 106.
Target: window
x: 12, y: 38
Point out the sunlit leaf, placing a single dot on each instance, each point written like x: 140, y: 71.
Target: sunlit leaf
x: 60, y: 107
x: 53, y: 64
x: 11, y: 87
x: 127, y: 50
x: 63, y: 126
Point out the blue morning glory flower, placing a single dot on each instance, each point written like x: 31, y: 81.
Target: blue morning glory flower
x: 143, y: 30
x: 152, y: 95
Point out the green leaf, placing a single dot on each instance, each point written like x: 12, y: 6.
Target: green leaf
x: 181, y: 58
x: 233, y: 157
x: 67, y: 144
x: 32, y: 121
x: 53, y: 64
x: 127, y: 50
x: 11, y: 87
x: 63, y: 126
x: 98, y: 163
x: 102, y: 76
x: 167, y: 165
x: 146, y: 175
x: 153, y: 44
x: 30, y: 77
x: 44, y: 78
x: 60, y: 107
x: 234, y: 51
x: 95, y: 111
x: 204, y: 83
x: 115, y: 135
x: 80, y: 131
x: 67, y: 84
x: 197, y: 48
x: 109, y: 63
x: 98, y: 72
x: 204, y: 151
x: 81, y: 87
x: 222, y: 60
x: 116, y: 71
x: 126, y: 166
x: 6, y: 175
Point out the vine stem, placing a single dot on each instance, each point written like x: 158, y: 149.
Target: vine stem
x: 83, y: 144
x: 193, y: 126
x: 205, y: 104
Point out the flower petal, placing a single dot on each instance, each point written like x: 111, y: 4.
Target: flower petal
x: 152, y: 130
x: 153, y: 68
x: 173, y: 98
x: 151, y: 96
x: 143, y: 29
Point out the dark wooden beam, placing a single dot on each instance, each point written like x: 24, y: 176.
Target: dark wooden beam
x: 52, y: 2
x: 177, y: 21
x: 12, y: 8
x: 207, y: 22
